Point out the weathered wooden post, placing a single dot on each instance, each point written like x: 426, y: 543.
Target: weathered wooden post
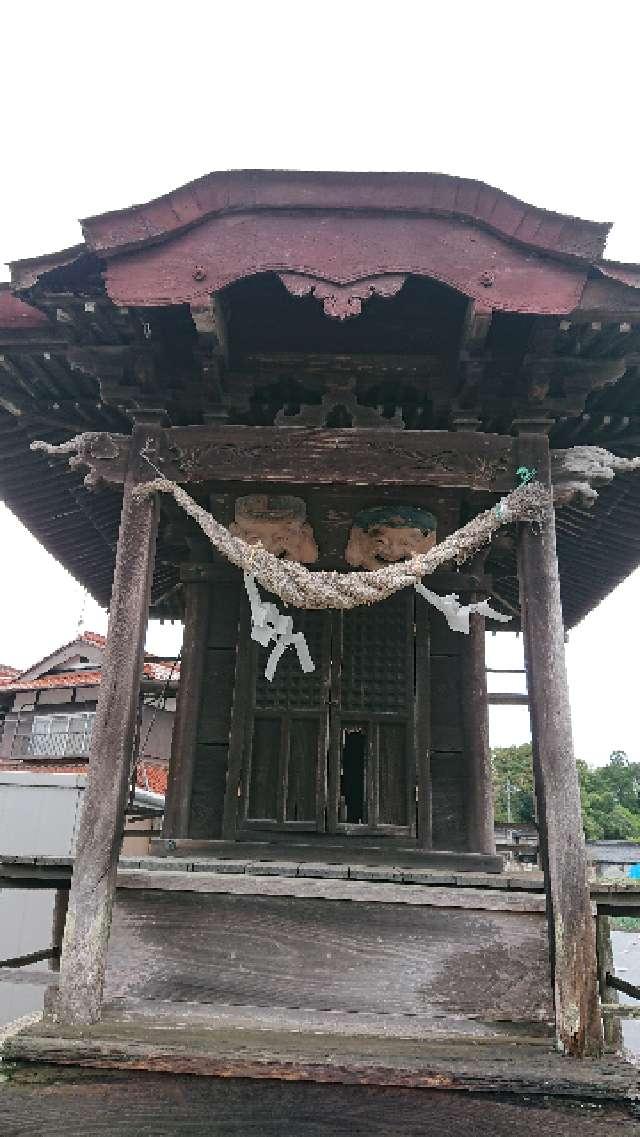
x: 571, y: 926
x: 100, y: 833
x: 476, y: 734
x: 183, y: 741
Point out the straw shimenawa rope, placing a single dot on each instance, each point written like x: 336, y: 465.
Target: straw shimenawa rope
x: 298, y: 586
x: 301, y: 588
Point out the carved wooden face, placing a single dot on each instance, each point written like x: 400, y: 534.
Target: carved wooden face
x: 386, y: 542
x: 278, y: 524
x: 291, y: 540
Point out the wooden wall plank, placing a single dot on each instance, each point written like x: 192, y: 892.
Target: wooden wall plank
x: 265, y: 767
x: 211, y: 756
x: 377, y: 957
x: 185, y: 726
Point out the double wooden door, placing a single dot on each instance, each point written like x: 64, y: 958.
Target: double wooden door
x: 333, y: 751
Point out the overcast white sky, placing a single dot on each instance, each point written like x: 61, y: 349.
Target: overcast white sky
x: 107, y: 104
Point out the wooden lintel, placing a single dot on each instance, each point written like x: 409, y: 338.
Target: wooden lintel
x: 375, y: 456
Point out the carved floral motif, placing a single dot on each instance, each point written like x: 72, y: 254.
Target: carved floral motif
x: 340, y: 393
x: 343, y: 300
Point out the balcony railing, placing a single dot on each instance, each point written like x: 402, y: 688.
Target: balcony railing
x: 65, y: 744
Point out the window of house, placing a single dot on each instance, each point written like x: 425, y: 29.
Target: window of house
x: 61, y: 736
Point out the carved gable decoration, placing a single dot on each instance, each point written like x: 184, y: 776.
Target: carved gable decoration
x: 388, y: 533
x: 342, y: 300
x: 340, y: 396
x: 278, y: 523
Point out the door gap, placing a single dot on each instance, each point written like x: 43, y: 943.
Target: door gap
x: 353, y: 776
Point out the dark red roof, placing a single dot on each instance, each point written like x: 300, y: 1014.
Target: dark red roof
x: 236, y: 191
x: 15, y: 315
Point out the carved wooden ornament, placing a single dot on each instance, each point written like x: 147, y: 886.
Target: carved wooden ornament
x: 576, y: 472
x: 278, y: 523
x: 389, y: 533
x: 342, y: 300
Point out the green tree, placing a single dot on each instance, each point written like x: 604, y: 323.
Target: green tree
x: 513, y: 784
x: 611, y: 798
x: 610, y: 794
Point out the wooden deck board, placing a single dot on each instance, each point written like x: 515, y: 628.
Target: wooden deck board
x: 366, y: 891
x: 427, y: 1026
x: 506, y: 1067
x: 75, y: 1102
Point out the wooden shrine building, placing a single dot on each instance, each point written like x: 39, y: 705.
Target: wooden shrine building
x: 347, y: 368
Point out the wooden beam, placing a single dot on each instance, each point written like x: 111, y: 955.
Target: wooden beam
x: 507, y: 699
x: 376, y: 456
x: 185, y: 727
x: 571, y: 925
x: 99, y: 837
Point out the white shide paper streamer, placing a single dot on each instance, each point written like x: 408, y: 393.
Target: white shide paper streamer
x: 269, y: 626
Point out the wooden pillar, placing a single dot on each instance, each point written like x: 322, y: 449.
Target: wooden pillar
x: 571, y: 925
x: 480, y: 826
x: 100, y: 832
x: 422, y: 724
x: 612, y: 1026
x: 185, y: 727
x: 58, y: 920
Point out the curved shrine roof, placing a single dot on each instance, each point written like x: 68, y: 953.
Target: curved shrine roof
x: 525, y: 313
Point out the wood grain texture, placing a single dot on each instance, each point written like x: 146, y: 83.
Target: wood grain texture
x: 378, y: 456
x: 571, y: 931
x: 364, y: 886
x: 334, y: 849
x: 303, y: 951
x: 475, y: 719
x: 185, y: 726
x: 102, y: 821
x: 213, y: 716
x: 75, y: 1102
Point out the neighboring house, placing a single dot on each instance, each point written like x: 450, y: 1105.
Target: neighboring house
x: 47, y: 713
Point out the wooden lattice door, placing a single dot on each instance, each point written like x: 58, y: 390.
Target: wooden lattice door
x: 372, y: 753
x: 285, y: 735
x: 333, y: 750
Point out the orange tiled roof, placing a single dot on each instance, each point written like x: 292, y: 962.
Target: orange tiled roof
x: 158, y: 670
x: 62, y: 679
x: 94, y: 638
x: 152, y: 778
